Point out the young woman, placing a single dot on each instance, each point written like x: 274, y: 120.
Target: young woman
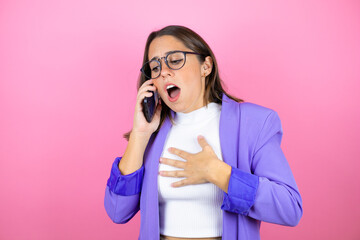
x: 208, y: 165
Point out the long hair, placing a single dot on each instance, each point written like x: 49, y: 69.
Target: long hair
x: 213, y: 83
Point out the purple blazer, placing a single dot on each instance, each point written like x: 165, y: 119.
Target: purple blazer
x: 261, y: 186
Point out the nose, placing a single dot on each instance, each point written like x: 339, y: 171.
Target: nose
x: 165, y: 70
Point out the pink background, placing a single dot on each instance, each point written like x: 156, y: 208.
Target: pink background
x: 68, y: 72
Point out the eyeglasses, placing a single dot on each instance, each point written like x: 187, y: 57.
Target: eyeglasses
x: 174, y: 60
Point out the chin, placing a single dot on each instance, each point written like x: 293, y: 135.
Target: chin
x: 175, y: 108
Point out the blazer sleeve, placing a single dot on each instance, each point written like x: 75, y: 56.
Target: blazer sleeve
x: 270, y: 194
x: 122, y: 193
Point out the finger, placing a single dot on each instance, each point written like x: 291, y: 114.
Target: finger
x: 147, y: 89
x: 139, y: 106
x: 172, y: 162
x: 158, y: 110
x: 146, y: 94
x: 180, y: 153
x: 203, y: 143
x: 142, y: 96
x: 147, y: 82
x: 181, y: 183
x: 177, y: 174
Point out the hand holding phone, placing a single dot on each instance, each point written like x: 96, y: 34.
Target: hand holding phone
x: 147, y: 109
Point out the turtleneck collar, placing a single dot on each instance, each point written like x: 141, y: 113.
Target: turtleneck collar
x: 202, y: 114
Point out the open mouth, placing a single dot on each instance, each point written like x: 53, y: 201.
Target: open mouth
x: 173, y: 92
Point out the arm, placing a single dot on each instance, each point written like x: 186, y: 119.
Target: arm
x: 122, y: 194
x: 270, y: 194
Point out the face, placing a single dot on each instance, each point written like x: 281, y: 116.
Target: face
x: 189, y: 79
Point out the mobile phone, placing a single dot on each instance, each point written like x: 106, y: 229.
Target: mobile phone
x: 149, y: 106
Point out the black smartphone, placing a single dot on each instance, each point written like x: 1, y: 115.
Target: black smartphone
x: 149, y: 106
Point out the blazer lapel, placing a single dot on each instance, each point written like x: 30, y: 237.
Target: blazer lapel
x: 149, y: 193
x: 229, y: 142
x: 229, y: 130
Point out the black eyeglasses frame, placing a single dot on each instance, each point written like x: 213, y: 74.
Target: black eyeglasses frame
x: 143, y: 71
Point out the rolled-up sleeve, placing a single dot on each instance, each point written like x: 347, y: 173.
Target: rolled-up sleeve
x: 122, y: 193
x: 125, y: 184
x: 241, y: 192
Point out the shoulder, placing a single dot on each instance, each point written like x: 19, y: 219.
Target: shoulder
x: 259, y: 116
x: 252, y: 117
x: 254, y: 109
x: 256, y: 112
x: 247, y: 110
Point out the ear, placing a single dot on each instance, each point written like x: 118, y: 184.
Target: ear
x: 206, y: 66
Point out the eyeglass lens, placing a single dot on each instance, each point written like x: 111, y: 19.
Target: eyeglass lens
x: 174, y: 61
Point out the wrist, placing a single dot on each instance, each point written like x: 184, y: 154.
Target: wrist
x: 219, y: 174
x: 212, y: 169
x: 139, y: 136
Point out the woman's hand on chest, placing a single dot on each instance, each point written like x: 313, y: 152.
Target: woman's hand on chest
x: 198, y: 168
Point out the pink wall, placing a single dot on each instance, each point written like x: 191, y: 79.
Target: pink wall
x: 68, y: 73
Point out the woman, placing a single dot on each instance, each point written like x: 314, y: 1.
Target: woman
x: 208, y: 165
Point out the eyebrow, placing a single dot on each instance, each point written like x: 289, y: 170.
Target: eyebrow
x: 156, y: 57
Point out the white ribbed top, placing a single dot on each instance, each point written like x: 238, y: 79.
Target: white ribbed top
x: 192, y: 211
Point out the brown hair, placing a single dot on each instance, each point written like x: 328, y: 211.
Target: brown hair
x: 213, y: 83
